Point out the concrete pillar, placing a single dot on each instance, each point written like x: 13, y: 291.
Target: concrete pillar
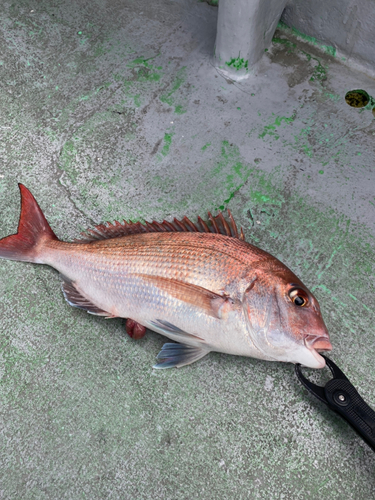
x: 244, y: 30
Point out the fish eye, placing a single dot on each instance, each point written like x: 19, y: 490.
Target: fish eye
x: 299, y: 297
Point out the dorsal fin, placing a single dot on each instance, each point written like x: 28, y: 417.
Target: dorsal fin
x: 217, y: 224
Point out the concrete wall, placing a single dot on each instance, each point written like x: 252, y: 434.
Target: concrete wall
x: 347, y: 25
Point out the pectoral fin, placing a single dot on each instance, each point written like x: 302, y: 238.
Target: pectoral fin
x: 212, y: 303
x: 164, y: 327
x: 178, y: 355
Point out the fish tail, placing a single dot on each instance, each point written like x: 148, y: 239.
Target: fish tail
x: 33, y: 232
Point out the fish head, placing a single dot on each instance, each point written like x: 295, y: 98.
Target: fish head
x: 284, y: 320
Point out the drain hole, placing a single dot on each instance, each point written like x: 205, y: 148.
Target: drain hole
x: 357, y: 98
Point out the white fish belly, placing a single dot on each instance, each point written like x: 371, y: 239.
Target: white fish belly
x: 127, y: 295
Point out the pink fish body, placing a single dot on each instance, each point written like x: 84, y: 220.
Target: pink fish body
x: 203, y: 287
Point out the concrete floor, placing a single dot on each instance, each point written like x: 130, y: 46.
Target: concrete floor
x: 113, y: 110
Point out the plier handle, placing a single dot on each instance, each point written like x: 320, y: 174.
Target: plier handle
x: 342, y: 397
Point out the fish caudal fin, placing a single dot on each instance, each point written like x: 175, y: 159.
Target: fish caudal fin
x: 33, y: 231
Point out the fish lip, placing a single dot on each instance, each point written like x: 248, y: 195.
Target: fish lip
x: 322, y: 345
x: 319, y: 344
x: 320, y: 360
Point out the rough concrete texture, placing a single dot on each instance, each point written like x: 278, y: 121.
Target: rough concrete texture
x: 346, y: 25
x: 244, y: 30
x: 114, y: 110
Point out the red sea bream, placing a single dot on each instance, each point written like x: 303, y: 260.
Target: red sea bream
x: 201, y: 285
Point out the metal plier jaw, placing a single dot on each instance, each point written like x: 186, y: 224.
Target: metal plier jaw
x: 342, y: 397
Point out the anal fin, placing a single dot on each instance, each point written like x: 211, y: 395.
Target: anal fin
x: 177, y: 355
x: 75, y: 299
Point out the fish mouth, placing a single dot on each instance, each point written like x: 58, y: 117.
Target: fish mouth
x: 316, y: 345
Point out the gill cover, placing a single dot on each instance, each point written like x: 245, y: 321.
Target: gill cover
x: 259, y: 303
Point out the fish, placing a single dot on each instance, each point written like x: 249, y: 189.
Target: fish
x: 200, y: 285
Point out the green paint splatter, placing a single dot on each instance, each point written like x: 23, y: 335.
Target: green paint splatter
x: 143, y: 61
x: 94, y: 92
x: 321, y: 171
x: 170, y: 97
x: 146, y: 74
x: 206, y: 146
x: 176, y: 84
x: 223, y: 180
x: 143, y: 76
x: 291, y: 46
x: 371, y: 104
x: 271, y: 129
x: 310, y: 39
x: 333, y: 97
x: 238, y: 63
x: 319, y: 73
x: 259, y: 197
x: 51, y: 134
x: 231, y: 195
x: 137, y: 100
x: 179, y: 110
x: 167, y: 143
x: 75, y: 159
